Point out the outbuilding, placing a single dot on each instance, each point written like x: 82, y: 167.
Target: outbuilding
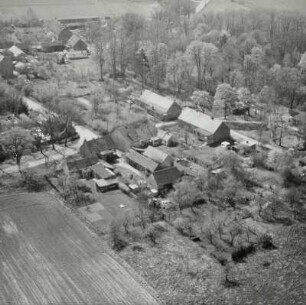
x: 76, y: 43
x: 158, y: 156
x: 164, y: 178
x: 205, y: 127
x: 161, y: 107
x: 141, y: 162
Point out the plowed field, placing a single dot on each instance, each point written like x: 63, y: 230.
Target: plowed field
x: 47, y: 256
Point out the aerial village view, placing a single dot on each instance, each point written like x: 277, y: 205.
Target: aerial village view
x: 152, y: 152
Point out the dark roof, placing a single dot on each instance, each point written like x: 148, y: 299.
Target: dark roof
x: 98, y: 145
x: 81, y: 163
x: 166, y: 176
x: 141, y: 160
x: 102, y: 172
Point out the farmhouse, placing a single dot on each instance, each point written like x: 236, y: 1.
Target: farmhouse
x: 64, y: 35
x: 141, y: 162
x: 164, y: 178
x: 159, y: 106
x: 103, y: 147
x: 158, y: 156
x: 203, y: 126
x: 129, y: 136
x: 76, y: 43
x: 6, y: 66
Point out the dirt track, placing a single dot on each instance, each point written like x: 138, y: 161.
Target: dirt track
x: 48, y: 257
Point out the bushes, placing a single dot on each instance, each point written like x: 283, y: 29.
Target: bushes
x: 117, y: 241
x: 33, y: 182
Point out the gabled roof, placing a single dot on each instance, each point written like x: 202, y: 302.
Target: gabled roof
x: 141, y: 160
x: 158, y: 102
x: 16, y: 51
x: 203, y: 122
x: 102, y: 172
x: 99, y: 145
x: 164, y: 134
x: 81, y: 163
x: 166, y: 176
x: 155, y: 154
x: 73, y: 40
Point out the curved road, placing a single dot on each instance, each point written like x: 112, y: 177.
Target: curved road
x: 84, y: 132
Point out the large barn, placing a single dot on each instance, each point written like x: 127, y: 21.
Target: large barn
x: 205, y: 127
x: 161, y: 107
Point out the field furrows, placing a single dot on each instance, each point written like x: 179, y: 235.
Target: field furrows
x: 48, y: 257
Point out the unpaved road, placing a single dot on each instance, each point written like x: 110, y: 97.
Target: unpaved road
x: 84, y: 132
x: 47, y: 256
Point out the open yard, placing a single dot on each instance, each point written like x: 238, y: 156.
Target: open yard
x: 49, y: 257
x: 49, y: 9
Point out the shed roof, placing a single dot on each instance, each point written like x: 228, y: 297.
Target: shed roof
x: 16, y: 51
x: 160, y: 103
x: 102, y: 172
x: 166, y: 176
x: 155, y: 154
x: 141, y: 160
x: 203, y: 122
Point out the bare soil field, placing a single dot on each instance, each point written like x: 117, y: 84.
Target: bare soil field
x: 49, y: 257
x: 50, y: 9
x: 280, y: 5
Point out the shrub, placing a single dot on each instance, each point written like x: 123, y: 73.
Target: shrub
x: 183, y: 226
x: 117, y: 241
x: 33, y: 182
x: 151, y: 233
x: 138, y: 247
x: 266, y: 242
x: 240, y: 254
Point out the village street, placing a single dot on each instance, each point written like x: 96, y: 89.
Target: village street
x: 60, y: 151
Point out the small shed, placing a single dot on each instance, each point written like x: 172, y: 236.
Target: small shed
x: 6, y: 66
x: 164, y: 178
x: 166, y: 137
x: 106, y: 185
x: 158, y: 156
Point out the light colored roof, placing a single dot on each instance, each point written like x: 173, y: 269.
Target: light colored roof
x: 164, y: 134
x: 73, y: 40
x: 155, y: 154
x: 160, y: 103
x: 1, y: 57
x: 201, y: 121
x: 16, y: 51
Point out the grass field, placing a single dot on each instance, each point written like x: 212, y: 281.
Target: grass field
x: 49, y: 257
x: 49, y: 9
x: 281, y: 5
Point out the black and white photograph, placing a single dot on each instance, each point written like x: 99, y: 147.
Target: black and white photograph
x: 152, y: 152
